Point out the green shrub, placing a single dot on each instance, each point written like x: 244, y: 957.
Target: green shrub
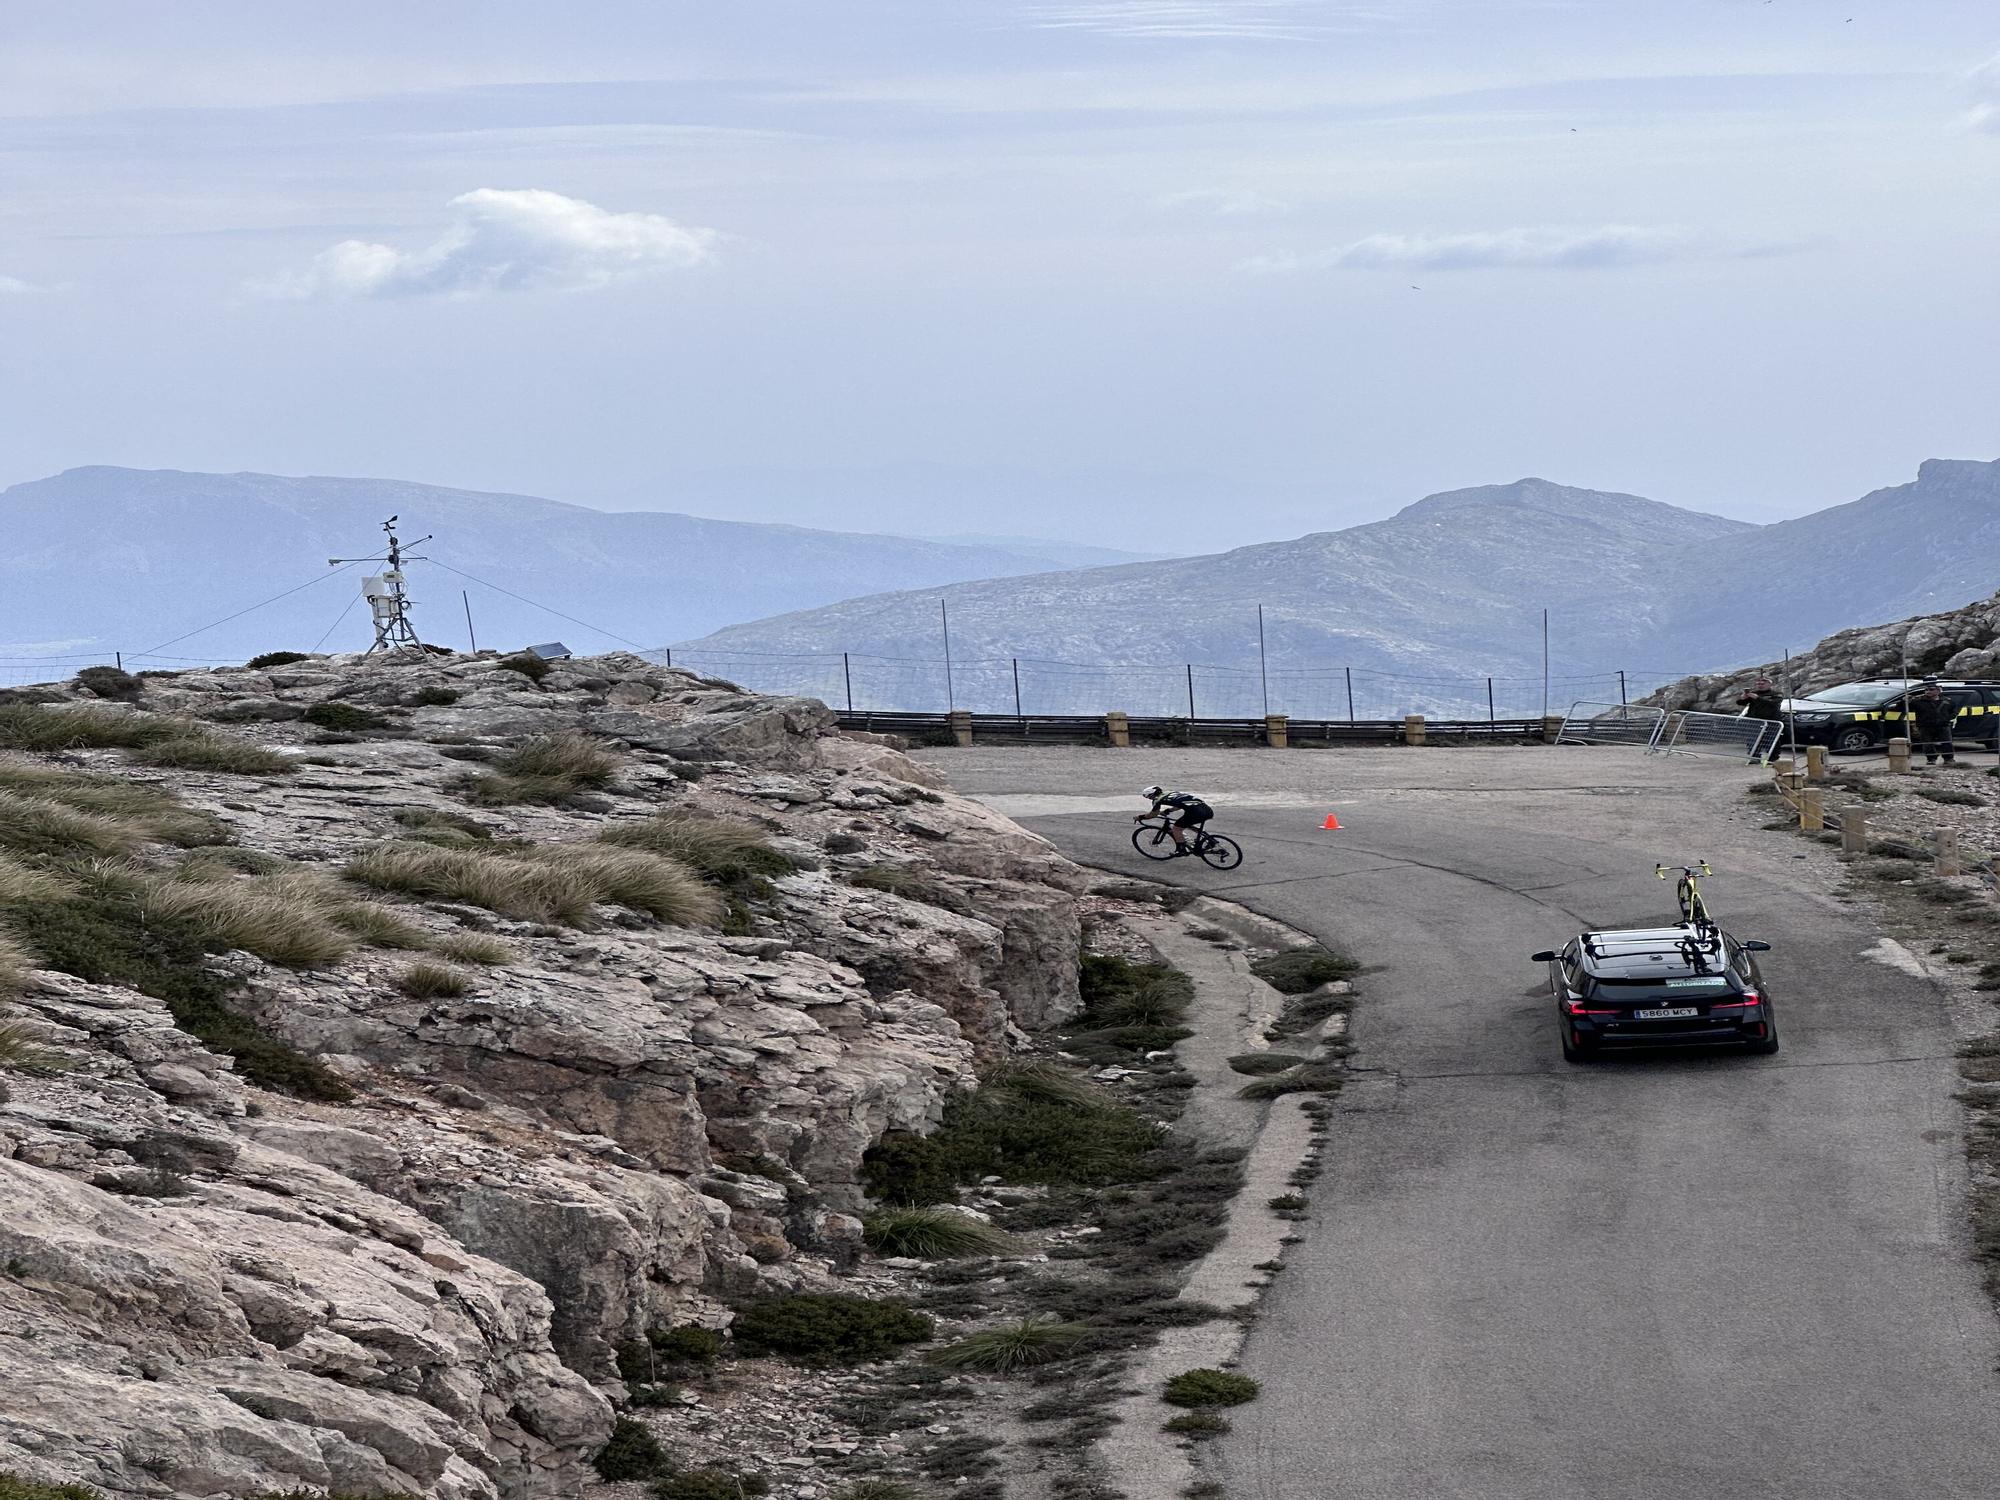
x: 433, y: 697
x: 110, y: 682
x: 711, y: 1484
x: 1313, y: 1078
x: 1288, y: 1203
x: 344, y: 717
x: 687, y: 1344
x: 828, y: 1328
x: 1036, y: 1340
x: 1258, y: 1064
x: 878, y: 1489
x: 377, y: 926
x: 99, y: 933
x: 454, y: 826
x: 632, y: 1453
x: 273, y: 919
x: 152, y: 812
x: 1197, y: 1425
x: 1950, y: 796
x: 15, y: 1487
x: 528, y: 665
x: 43, y: 729
x: 1117, y: 992
x: 275, y: 659
x: 41, y: 826
x: 1199, y: 1388
x: 428, y: 981
x: 931, y: 1234
x: 473, y: 948
x: 198, y: 750
x: 1297, y: 970
x: 843, y: 843
x: 549, y: 769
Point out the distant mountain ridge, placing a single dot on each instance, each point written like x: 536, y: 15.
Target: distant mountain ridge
x: 1451, y: 589
x: 106, y: 558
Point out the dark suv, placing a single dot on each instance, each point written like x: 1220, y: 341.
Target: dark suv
x: 1687, y: 986
x: 1863, y: 715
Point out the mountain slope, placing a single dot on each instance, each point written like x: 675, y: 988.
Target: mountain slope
x: 126, y: 559
x: 1442, y: 594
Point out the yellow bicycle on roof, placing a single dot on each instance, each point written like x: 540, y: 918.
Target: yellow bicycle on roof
x: 1687, y: 890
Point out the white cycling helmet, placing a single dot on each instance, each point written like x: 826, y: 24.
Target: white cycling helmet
x: 1152, y: 791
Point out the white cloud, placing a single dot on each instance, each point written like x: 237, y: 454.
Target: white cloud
x: 1226, y: 203
x: 1559, y: 249
x: 14, y: 286
x: 1986, y: 90
x: 1267, y: 20
x: 506, y: 240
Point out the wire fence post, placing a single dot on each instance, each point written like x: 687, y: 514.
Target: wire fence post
x: 1190, y: 677
x: 1350, y: 693
x: 466, y: 599
x: 119, y: 657
x: 1489, y: 702
x: 1545, y: 664
x: 944, y: 616
x: 1621, y: 690
x: 847, y: 677
x: 1017, y: 686
x: 1263, y: 675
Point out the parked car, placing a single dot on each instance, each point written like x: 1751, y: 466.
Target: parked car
x: 1864, y: 715
x: 1686, y: 986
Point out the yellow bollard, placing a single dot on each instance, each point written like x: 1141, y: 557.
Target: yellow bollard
x: 1899, y: 754
x: 1118, y: 729
x: 1853, y: 830
x: 961, y: 725
x: 1816, y: 762
x: 1413, y: 729
x: 1277, y: 731
x: 1812, y: 809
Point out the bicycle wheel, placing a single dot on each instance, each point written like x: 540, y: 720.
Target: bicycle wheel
x: 1220, y: 853
x: 1153, y: 842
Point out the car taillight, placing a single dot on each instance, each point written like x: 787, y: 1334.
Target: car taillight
x: 1748, y: 1000
x: 1575, y: 1007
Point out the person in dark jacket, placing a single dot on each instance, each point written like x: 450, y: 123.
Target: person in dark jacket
x: 1762, y: 701
x: 1933, y: 714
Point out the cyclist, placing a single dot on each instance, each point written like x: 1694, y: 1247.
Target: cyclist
x: 1192, y: 813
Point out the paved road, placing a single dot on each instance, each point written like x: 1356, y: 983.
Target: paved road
x: 1666, y: 1279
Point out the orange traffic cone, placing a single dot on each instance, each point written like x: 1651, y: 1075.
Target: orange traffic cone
x: 1331, y: 822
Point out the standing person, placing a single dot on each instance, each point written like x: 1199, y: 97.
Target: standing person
x: 1934, y: 713
x: 1762, y: 701
x: 1193, y: 812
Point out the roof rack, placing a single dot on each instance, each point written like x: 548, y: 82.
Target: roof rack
x: 1694, y: 948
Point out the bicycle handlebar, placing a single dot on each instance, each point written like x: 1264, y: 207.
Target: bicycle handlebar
x: 1700, y: 866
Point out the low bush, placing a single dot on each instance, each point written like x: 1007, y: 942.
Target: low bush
x: 1260, y: 1064
x: 15, y: 1487
x: 433, y: 697
x: 112, y: 683
x: 442, y: 825
x: 687, y: 1344
x: 275, y: 659
x: 1297, y: 970
x: 376, y: 926
x: 40, y: 826
x: 843, y: 843
x: 632, y: 1453
x: 343, y: 717
x: 871, y: 1489
x: 1033, y: 1341
x: 1288, y: 1203
x: 828, y: 1328
x: 429, y: 981
x: 20, y: 1050
x: 1950, y: 796
x: 528, y: 665
x: 913, y: 885
x: 931, y: 1234
x: 712, y: 1484
x: 152, y: 811
x: 473, y: 948
x: 1205, y: 1388
x: 273, y: 919
x: 1198, y: 1425
x: 548, y: 769
x: 728, y: 851
x: 198, y: 750
x: 43, y: 728
x: 1313, y: 1078
x: 1117, y: 992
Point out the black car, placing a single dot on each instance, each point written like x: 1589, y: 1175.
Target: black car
x: 1863, y: 715
x: 1687, y: 986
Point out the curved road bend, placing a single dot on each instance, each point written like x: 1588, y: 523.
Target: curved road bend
x: 1681, y: 1278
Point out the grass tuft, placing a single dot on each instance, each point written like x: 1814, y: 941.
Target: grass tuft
x: 728, y: 851
x: 827, y: 1328
x: 42, y: 826
x: 424, y: 980
x: 455, y: 826
x: 931, y: 1234
x: 199, y: 750
x: 662, y: 888
x: 632, y: 1453
x: 1297, y: 970
x: 517, y: 888
x: 1207, y: 1388
x: 1033, y: 1341
x: 473, y: 948
x: 269, y: 916
x: 44, y: 728
x: 22, y: 1052
x: 153, y: 811
x: 548, y: 769
x: 274, y: 659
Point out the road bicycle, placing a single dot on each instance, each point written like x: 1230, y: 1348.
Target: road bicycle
x: 1152, y: 839
x: 1687, y: 891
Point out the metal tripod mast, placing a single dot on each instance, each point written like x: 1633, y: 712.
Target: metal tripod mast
x: 385, y: 596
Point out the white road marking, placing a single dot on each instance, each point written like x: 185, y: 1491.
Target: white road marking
x: 1896, y: 956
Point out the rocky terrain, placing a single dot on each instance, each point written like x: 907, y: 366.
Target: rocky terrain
x: 383, y: 1043
x: 1959, y: 643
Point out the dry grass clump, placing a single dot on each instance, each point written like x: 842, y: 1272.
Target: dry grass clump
x: 518, y: 888
x: 473, y: 948
x: 1035, y: 1340
x: 49, y: 727
x: 155, y: 811
x: 728, y: 851
x: 439, y: 826
x: 191, y: 749
x: 551, y: 769
x: 25, y: 885
x: 15, y: 961
x: 376, y: 926
x: 932, y: 1234
x: 662, y: 888
x: 425, y: 980
x: 269, y: 916
x: 40, y: 826
x: 21, y: 1052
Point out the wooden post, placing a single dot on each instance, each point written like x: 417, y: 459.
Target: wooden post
x: 1816, y: 762
x: 1552, y: 728
x: 1854, y: 830
x: 1812, y: 809
x: 961, y: 725
x: 1786, y: 770
x: 1899, y: 754
x: 1277, y: 731
x: 1118, y: 729
x: 1944, y: 848
x: 1413, y: 729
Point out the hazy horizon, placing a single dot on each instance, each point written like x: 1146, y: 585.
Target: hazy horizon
x: 1235, y: 269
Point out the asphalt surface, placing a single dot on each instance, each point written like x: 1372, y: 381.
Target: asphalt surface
x: 1663, y: 1279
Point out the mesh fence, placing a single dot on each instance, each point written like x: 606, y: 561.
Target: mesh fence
x: 1610, y: 724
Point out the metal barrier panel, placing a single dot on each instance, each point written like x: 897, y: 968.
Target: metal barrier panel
x: 1611, y: 724
x: 1684, y: 732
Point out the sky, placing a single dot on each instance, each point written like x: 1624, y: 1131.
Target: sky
x: 1166, y: 274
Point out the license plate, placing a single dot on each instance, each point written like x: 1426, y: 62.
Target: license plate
x: 1671, y: 1013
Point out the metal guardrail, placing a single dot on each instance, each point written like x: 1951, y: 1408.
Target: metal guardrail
x: 1094, y: 729
x: 1610, y: 724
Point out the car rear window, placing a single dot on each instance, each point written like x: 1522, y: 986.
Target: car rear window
x: 1651, y: 985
